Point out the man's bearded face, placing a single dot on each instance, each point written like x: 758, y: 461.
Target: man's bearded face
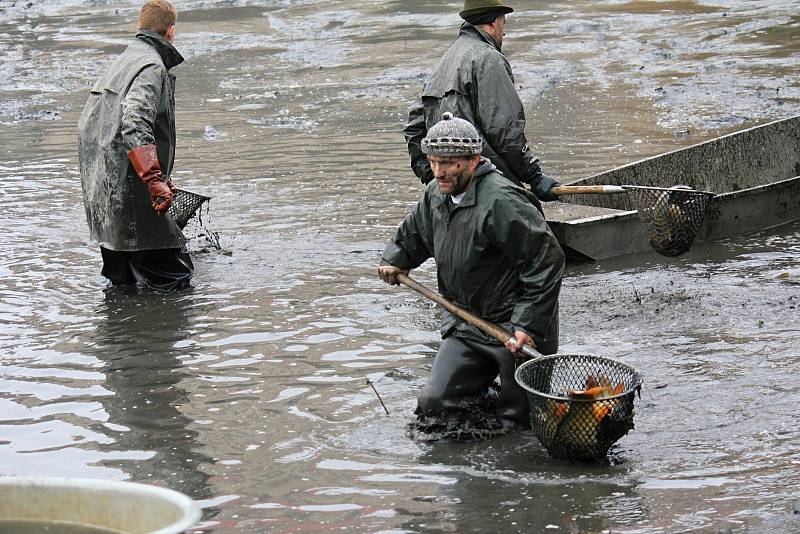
x: 453, y: 173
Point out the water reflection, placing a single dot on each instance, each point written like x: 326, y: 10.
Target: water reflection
x: 135, y: 342
x: 511, y: 485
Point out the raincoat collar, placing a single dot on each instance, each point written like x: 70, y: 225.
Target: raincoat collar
x: 169, y: 55
x: 474, y: 32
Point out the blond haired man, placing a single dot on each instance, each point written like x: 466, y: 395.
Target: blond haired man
x: 126, y: 138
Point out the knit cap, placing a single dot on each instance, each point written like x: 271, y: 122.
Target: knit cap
x: 452, y: 136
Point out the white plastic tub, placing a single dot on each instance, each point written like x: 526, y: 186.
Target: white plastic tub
x: 126, y: 507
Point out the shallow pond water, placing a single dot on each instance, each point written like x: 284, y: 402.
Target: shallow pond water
x: 248, y: 391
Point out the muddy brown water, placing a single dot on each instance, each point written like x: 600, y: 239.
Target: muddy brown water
x: 248, y: 392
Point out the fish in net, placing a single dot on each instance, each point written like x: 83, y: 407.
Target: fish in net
x: 580, y: 405
x: 672, y: 217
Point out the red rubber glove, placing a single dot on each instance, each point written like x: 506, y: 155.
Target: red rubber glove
x: 144, y: 160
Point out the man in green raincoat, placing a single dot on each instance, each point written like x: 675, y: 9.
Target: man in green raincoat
x: 126, y: 144
x: 495, y: 256
x: 473, y: 81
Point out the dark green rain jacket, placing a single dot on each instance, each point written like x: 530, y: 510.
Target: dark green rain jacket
x: 473, y: 81
x: 495, y: 256
x: 132, y: 105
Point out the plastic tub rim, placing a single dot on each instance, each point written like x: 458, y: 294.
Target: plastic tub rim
x: 191, y: 509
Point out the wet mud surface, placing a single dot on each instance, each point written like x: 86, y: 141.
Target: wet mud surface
x: 248, y: 391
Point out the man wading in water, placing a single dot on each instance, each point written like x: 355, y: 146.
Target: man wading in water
x: 495, y: 256
x: 126, y: 139
x: 473, y: 80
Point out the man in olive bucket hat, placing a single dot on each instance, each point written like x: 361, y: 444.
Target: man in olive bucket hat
x: 126, y: 148
x: 495, y: 256
x: 473, y: 80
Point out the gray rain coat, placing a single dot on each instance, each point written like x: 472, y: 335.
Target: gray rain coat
x: 132, y: 105
x: 495, y: 256
x: 473, y: 80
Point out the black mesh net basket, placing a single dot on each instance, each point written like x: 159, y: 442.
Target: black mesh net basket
x: 580, y: 405
x: 184, y: 206
x: 672, y: 217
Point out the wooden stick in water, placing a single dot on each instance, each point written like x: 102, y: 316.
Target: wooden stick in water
x: 378, y: 395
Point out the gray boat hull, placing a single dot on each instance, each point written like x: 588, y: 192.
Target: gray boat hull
x: 755, y: 173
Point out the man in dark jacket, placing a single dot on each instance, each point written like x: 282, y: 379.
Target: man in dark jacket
x: 495, y: 256
x: 473, y: 81
x: 126, y: 140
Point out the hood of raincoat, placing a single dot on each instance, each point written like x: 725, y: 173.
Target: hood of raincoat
x: 170, y: 56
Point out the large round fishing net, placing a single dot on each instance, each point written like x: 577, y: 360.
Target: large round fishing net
x: 672, y: 217
x: 580, y: 405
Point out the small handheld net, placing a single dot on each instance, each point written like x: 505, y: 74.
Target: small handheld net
x: 672, y: 217
x: 184, y: 206
x: 579, y: 427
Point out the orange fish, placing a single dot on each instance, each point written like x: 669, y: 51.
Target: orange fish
x: 598, y: 389
x: 587, y: 394
x: 557, y: 410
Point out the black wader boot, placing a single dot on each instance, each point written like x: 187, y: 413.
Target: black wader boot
x: 164, y: 270
x: 464, y: 369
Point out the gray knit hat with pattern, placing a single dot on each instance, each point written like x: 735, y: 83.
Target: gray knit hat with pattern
x: 452, y: 136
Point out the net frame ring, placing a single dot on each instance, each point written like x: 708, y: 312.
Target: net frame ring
x: 571, y: 434
x: 637, y: 376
